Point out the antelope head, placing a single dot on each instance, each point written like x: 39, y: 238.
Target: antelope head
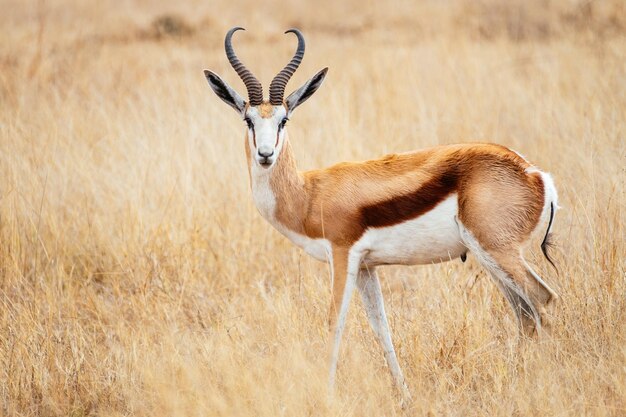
x: 265, y: 120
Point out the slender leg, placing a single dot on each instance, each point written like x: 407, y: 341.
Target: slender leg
x: 532, y: 276
x: 345, y: 269
x: 505, y: 266
x: 372, y: 296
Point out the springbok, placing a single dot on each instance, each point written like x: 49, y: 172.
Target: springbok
x: 421, y: 207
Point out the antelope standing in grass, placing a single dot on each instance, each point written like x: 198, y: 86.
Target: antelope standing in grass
x: 421, y: 207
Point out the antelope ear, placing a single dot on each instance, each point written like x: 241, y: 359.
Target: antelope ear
x: 225, y: 92
x: 303, y: 93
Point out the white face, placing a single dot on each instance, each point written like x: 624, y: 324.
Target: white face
x: 265, y: 122
x: 266, y: 133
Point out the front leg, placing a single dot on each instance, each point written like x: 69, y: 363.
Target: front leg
x: 346, y: 264
x: 372, y: 296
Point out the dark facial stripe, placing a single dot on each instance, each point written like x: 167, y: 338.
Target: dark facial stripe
x: 409, y: 206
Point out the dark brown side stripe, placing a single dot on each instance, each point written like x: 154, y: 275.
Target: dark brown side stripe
x: 409, y: 206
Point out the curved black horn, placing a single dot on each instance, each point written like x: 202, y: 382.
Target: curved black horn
x: 255, y: 90
x: 277, y: 87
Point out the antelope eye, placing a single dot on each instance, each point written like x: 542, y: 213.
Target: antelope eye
x: 249, y: 123
x: 283, y: 122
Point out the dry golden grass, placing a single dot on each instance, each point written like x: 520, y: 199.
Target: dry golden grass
x: 136, y: 277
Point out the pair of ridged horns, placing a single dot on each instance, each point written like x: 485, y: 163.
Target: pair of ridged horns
x: 278, y: 84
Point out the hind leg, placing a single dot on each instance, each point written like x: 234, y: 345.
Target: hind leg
x: 499, y: 209
x: 511, y: 261
x: 509, y: 273
x: 533, y: 277
x: 538, y: 294
x: 543, y: 303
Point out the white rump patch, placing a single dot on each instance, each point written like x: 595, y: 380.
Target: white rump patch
x: 550, y: 197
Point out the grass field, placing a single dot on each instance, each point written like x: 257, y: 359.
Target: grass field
x: 137, y: 278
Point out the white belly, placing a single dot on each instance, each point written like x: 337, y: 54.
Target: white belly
x: 431, y: 238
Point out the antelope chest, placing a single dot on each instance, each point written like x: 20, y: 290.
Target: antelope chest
x: 265, y: 201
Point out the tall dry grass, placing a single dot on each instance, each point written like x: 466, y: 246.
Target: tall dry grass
x: 136, y: 277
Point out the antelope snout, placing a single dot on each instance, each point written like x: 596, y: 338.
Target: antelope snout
x: 264, y: 156
x: 265, y: 151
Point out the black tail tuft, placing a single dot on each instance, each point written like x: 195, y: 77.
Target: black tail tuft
x: 547, y: 240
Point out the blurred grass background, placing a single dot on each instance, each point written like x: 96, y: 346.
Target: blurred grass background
x: 136, y: 277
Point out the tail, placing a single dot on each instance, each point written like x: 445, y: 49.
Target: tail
x: 547, y: 240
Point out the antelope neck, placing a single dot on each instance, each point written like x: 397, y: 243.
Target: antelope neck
x: 279, y: 192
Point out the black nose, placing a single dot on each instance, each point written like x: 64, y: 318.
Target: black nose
x: 265, y: 154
